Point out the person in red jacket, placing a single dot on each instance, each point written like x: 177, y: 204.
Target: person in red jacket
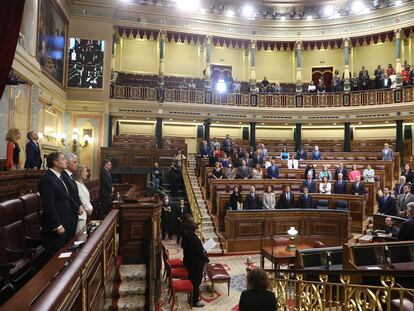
x: 13, y: 149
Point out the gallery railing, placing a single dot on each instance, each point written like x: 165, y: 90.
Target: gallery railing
x: 306, y: 100
x: 293, y: 292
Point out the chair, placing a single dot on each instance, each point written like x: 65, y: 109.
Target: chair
x: 173, y: 263
x: 177, y: 287
x: 341, y: 205
x: 322, y: 204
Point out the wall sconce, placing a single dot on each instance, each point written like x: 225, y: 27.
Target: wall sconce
x: 292, y: 232
x: 75, y: 143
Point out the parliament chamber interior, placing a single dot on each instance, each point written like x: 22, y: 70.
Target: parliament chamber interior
x: 210, y: 154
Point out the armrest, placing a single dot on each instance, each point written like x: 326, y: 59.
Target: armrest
x: 34, y: 242
x: 5, y: 269
x: 15, y: 255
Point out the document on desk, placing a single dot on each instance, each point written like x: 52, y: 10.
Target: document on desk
x: 65, y: 255
x: 209, y: 244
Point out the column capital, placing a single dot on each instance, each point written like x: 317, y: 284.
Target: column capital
x: 299, y: 44
x: 397, y: 33
x: 346, y: 41
x: 162, y: 34
x: 253, y: 44
x: 208, y: 39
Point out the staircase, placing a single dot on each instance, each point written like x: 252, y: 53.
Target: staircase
x: 208, y: 228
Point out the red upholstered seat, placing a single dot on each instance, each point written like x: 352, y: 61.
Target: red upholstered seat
x: 179, y: 273
x: 182, y: 286
x: 175, y: 262
x: 217, y: 272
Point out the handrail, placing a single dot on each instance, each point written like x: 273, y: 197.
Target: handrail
x: 195, y: 209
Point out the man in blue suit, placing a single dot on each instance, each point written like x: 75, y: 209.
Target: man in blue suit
x: 387, y: 154
x: 33, y: 156
x: 252, y: 200
x: 309, y: 183
x: 316, y: 154
x: 305, y: 199
x: 386, y: 203
x: 273, y: 170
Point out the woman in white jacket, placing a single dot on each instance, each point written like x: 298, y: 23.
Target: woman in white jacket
x: 80, y: 176
x: 269, y: 198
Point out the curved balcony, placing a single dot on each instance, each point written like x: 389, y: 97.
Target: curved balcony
x: 306, y: 100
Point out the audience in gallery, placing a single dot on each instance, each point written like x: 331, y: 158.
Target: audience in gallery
x: 257, y: 296
x: 13, y: 149
x: 311, y: 87
x: 80, y: 176
x: 33, y: 152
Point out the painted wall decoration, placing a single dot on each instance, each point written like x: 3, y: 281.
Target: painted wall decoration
x: 52, y: 41
x: 86, y: 63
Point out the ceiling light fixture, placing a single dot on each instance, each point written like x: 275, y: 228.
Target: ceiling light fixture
x: 328, y: 10
x: 188, y: 5
x: 398, y: 2
x: 283, y: 18
x: 309, y: 17
x: 357, y: 7
x: 230, y: 13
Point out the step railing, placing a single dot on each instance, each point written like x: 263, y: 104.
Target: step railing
x: 195, y: 209
x: 295, y: 293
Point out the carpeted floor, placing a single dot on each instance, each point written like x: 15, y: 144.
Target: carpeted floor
x: 219, y: 300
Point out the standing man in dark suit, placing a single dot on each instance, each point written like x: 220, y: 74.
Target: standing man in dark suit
x: 316, y: 154
x: 105, y: 188
x: 309, y: 183
x: 33, y: 155
x: 273, y: 170
x: 406, y: 232
x: 180, y: 211
x: 358, y: 186
x: 404, y: 199
x: 386, y: 203
x: 305, y: 199
x: 399, y: 187
x: 339, y: 185
x: 341, y: 169
x: 252, y: 200
x: 58, y: 218
x: 243, y: 171
x: 67, y: 176
x: 286, y: 199
x: 387, y: 154
x: 301, y: 154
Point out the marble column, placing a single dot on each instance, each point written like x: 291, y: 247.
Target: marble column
x: 110, y: 126
x: 347, y: 83
x: 160, y: 90
x: 400, y: 138
x: 253, y: 66
x: 347, y: 137
x: 253, y: 135
x: 207, y: 123
x: 398, y: 57
x: 298, y: 67
x: 298, y: 136
x: 208, y: 63
x: 158, y: 132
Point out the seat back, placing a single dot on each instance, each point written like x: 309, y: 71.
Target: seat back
x: 341, y: 205
x: 11, y: 226
x: 280, y: 241
x: 322, y: 204
x: 31, y: 215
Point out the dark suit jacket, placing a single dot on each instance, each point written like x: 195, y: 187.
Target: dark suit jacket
x: 386, y: 206
x: 305, y: 202
x: 272, y: 173
x: 105, y: 185
x: 310, y: 184
x: 33, y: 156
x: 344, y: 173
x: 234, y: 199
x: 195, y: 256
x: 262, y: 300
x: 399, y: 188
x: 301, y: 155
x: 339, y: 188
x: 252, y: 202
x: 360, y: 189
x: 243, y: 173
x: 56, y: 203
x: 73, y: 190
x: 180, y: 213
x: 316, y: 155
x: 406, y: 232
x: 284, y: 203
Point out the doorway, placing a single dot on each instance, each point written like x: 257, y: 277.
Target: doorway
x: 326, y: 73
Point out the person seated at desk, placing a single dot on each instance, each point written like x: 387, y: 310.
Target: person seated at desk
x: 225, y: 161
x: 235, y: 200
x: 217, y: 172
x: 269, y: 198
x: 391, y: 228
x: 292, y: 162
x: 339, y: 185
x: 252, y: 200
x: 214, y: 158
x: 310, y: 170
x: 316, y: 154
x: 257, y: 296
x: 257, y: 158
x: 406, y: 232
x: 385, y: 202
x: 403, y: 200
x: 284, y: 155
x: 341, y: 169
x: 301, y: 154
x: 325, y: 186
x: 257, y: 172
x: 325, y: 173
x: 354, y: 173
x: 309, y: 183
x: 273, y: 170
x: 358, y: 186
x: 305, y: 199
x: 243, y: 171
x: 286, y: 199
x: 230, y: 173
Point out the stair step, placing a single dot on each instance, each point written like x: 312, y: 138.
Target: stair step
x: 133, y: 272
x: 132, y: 288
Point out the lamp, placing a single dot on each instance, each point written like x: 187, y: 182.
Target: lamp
x: 75, y: 143
x: 292, y: 232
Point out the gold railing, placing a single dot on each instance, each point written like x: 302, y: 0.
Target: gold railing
x: 294, y: 293
x: 358, y: 98
x: 195, y: 209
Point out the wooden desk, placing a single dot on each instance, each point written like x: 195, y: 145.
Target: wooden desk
x: 62, y: 282
x: 279, y: 255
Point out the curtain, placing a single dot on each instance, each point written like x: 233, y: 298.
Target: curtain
x: 11, y: 12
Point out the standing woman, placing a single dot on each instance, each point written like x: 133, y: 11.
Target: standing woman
x: 196, y: 258
x: 80, y: 175
x: 408, y: 173
x: 235, y: 200
x: 369, y: 174
x: 284, y: 155
x: 269, y: 198
x: 217, y: 173
x: 354, y: 173
x: 13, y: 149
x: 325, y: 186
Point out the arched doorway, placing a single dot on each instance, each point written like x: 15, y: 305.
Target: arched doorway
x: 326, y: 73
